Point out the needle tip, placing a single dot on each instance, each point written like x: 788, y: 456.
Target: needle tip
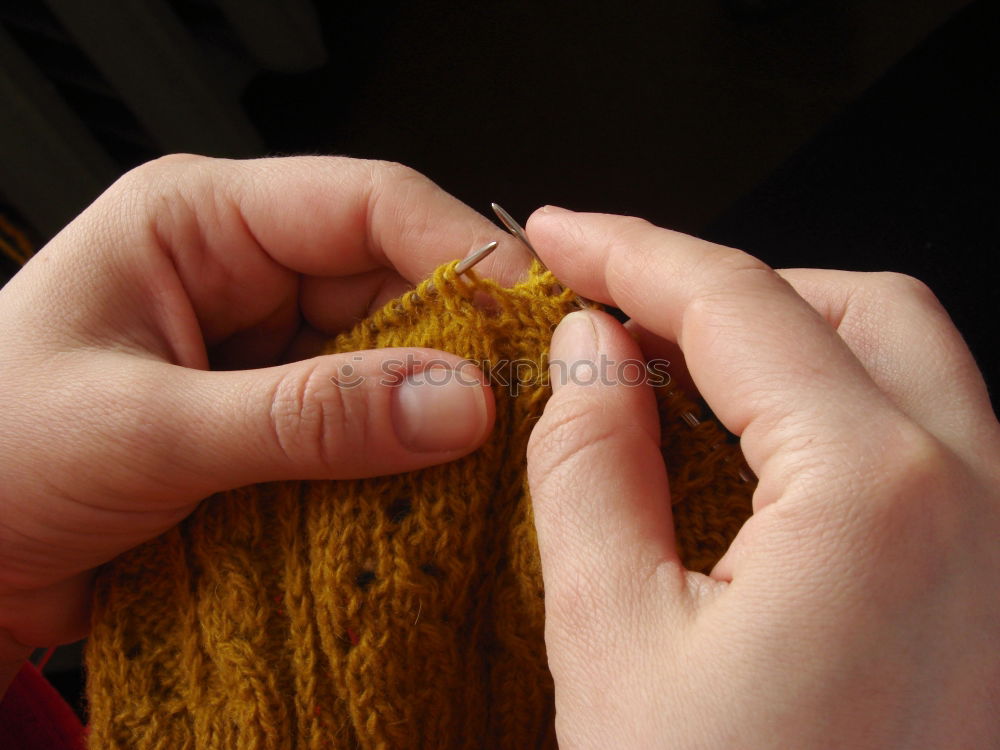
x: 504, y: 217
x: 513, y: 227
x: 473, y: 258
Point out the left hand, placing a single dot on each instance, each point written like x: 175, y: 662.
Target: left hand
x: 111, y: 427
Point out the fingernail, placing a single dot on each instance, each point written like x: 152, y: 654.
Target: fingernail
x: 553, y: 210
x: 574, y: 351
x: 439, y: 409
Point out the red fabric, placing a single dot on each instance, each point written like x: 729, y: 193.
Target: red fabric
x: 33, y: 716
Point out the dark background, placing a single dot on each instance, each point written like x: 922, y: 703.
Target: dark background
x: 853, y: 134
x: 856, y: 134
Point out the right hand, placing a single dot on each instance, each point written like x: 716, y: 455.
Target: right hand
x: 858, y: 607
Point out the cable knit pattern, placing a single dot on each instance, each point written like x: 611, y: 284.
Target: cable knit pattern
x: 393, y: 612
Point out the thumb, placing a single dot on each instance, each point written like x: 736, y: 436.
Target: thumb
x: 338, y: 416
x: 597, y: 479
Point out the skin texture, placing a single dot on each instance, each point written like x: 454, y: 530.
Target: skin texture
x: 112, y: 427
x: 857, y: 607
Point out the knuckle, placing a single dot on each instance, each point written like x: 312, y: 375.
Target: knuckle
x: 890, y: 515
x: 312, y: 418
x: 901, y: 285
x: 570, y: 428
x: 736, y: 270
x: 586, y: 613
x: 156, y: 170
x: 738, y: 265
x: 401, y: 191
x: 631, y: 229
x: 915, y: 460
x: 916, y: 515
x: 177, y: 160
x: 393, y: 171
x: 913, y: 481
x: 727, y: 278
x: 571, y: 599
x: 631, y: 235
x: 140, y: 193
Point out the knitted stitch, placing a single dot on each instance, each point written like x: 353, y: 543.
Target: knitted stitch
x: 399, y: 611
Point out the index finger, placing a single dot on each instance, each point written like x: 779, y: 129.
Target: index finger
x: 771, y: 368
x: 237, y: 236
x: 331, y: 216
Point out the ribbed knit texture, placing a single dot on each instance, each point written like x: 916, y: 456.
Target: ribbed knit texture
x: 394, y: 612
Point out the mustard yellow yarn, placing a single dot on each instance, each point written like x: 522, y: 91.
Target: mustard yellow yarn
x: 394, y: 612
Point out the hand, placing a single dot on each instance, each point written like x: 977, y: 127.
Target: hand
x: 857, y: 608
x: 112, y: 427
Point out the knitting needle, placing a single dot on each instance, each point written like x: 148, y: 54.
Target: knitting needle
x: 470, y: 260
x: 515, y: 229
x: 518, y: 231
x: 473, y: 258
x: 744, y: 471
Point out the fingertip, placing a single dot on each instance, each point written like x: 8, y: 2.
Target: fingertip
x: 573, y: 245
x: 546, y: 216
x: 597, y: 478
x: 573, y: 352
x: 549, y: 209
x: 336, y: 416
x: 443, y: 409
x: 475, y: 374
x: 593, y: 352
x: 610, y: 337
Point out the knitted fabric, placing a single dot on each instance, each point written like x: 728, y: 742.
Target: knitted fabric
x: 393, y: 612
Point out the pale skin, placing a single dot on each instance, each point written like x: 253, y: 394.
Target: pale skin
x: 856, y: 609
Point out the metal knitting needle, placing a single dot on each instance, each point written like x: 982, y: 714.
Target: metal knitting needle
x: 515, y: 229
x: 689, y: 417
x: 518, y: 231
x: 473, y: 258
x: 470, y: 260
